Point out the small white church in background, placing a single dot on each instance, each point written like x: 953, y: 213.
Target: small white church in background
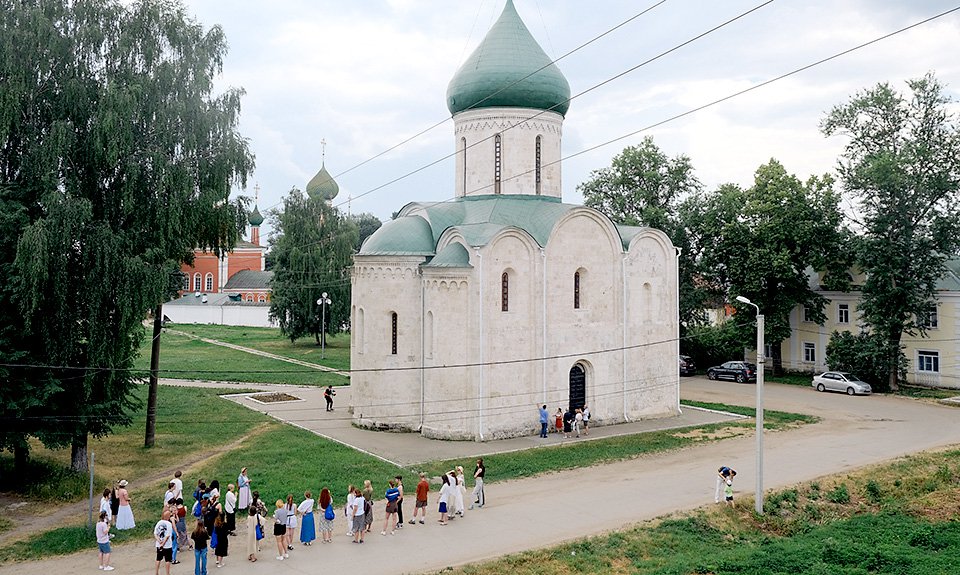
x: 469, y: 314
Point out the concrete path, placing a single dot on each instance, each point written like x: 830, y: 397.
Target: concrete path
x: 520, y: 515
x: 267, y: 354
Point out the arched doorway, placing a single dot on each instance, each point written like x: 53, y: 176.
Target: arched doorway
x: 578, y: 387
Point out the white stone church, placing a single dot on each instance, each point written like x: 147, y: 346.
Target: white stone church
x: 469, y: 314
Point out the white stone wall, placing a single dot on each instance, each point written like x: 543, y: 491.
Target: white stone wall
x: 251, y: 316
x: 518, y: 128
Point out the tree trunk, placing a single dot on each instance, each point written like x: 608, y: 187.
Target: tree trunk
x: 777, y: 357
x: 894, y: 362
x: 78, y: 453
x: 151, y: 433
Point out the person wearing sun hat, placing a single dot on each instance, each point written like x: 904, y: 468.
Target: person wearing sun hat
x: 124, y: 513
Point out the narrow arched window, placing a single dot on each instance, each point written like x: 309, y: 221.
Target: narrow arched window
x: 197, y: 281
x: 393, y: 333
x: 209, y: 282
x: 261, y: 298
x: 505, y: 292
x: 463, y: 146
x: 537, y: 168
x: 497, y: 163
x: 428, y: 336
x: 360, y: 343
x: 248, y: 297
x: 186, y: 282
x: 576, y: 290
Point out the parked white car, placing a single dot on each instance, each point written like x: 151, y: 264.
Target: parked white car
x: 841, y: 381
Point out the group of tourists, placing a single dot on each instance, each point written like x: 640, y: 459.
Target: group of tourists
x: 568, y: 422
x: 212, y: 513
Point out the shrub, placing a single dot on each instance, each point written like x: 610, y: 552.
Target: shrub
x: 865, y: 354
x: 839, y: 495
x: 872, y: 489
x: 712, y: 344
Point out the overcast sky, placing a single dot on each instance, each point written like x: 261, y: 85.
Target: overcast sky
x: 367, y: 74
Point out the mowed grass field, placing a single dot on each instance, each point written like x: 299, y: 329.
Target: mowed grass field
x: 183, y: 357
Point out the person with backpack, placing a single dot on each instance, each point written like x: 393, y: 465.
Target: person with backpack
x: 328, y: 396
x: 368, y: 505
x: 327, y: 517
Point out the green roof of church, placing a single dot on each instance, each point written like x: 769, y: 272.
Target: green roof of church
x: 419, y: 226
x: 452, y: 256
x: 323, y: 185
x: 508, y: 69
x: 255, y: 218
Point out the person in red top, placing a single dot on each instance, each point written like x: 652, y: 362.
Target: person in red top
x: 421, y: 507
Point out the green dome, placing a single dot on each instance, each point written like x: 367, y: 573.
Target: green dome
x: 255, y: 218
x: 323, y: 186
x: 496, y: 74
x: 410, y: 235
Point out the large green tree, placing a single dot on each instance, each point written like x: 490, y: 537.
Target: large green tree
x: 645, y: 187
x: 902, y: 164
x: 118, y: 159
x: 312, y: 249
x: 762, y: 242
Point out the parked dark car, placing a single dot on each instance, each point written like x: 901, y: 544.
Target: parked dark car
x: 687, y: 367
x: 738, y: 371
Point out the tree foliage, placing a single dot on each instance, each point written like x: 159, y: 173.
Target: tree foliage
x: 865, y: 354
x: 762, y: 243
x: 902, y: 164
x: 366, y: 225
x: 645, y: 187
x: 116, y: 160
x: 312, y: 252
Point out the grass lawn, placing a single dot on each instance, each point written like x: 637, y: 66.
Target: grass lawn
x: 182, y: 357
x: 790, y: 378
x: 336, y: 354
x: 898, y: 518
x: 532, y: 462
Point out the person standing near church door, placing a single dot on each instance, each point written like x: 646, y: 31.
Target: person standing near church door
x: 544, y: 418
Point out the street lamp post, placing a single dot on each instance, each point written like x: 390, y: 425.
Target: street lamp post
x: 323, y: 302
x: 758, y: 505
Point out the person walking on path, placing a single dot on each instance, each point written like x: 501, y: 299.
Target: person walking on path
x: 460, y: 490
x: 308, y: 529
x: 478, y: 496
x: 392, y: 494
x: 724, y: 474
x: 103, y: 541
x: 280, y: 530
x: 368, y: 505
x: 358, y: 514
x: 125, y: 513
x: 256, y: 511
x: 327, y: 517
x: 223, y: 539
x: 163, y: 537
x: 586, y: 420
x: 423, y: 488
x: 230, y: 509
x: 544, y: 419
x: 399, y: 480
x: 243, y: 485
x: 328, y: 396
x: 291, y: 510
x: 444, y: 499
x: 200, y: 538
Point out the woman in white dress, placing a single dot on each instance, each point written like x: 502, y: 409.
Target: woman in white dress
x: 243, y: 488
x: 460, y: 491
x: 125, y: 514
x: 291, y: 508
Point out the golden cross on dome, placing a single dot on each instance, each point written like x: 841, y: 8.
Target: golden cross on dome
x: 256, y: 193
x: 323, y: 150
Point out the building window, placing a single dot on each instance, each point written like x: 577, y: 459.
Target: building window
x: 463, y: 146
x: 261, y: 298
x: 576, y: 290
x: 497, y: 162
x: 929, y: 319
x: 768, y: 350
x: 248, y: 297
x: 809, y: 352
x: 928, y: 361
x: 807, y: 314
x: 209, y: 282
x: 537, y: 169
x: 393, y: 333
x: 504, y: 292
x: 843, y: 313
x: 186, y: 282
x: 428, y: 336
x: 197, y: 279
x: 360, y: 343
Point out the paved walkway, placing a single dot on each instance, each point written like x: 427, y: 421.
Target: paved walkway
x: 521, y: 514
x: 253, y: 351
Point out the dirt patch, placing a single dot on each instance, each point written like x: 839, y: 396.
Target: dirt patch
x: 278, y: 397
x: 721, y: 433
x: 940, y: 506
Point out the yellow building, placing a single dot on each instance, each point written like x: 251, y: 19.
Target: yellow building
x: 932, y: 360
